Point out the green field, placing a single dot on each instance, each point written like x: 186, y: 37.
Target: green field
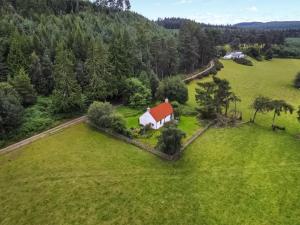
x: 242, y: 176
x: 188, y: 124
x: 272, y: 79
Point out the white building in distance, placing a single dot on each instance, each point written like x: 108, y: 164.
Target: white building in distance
x: 234, y: 55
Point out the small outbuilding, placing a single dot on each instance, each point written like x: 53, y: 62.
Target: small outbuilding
x: 235, y: 55
x: 158, y: 116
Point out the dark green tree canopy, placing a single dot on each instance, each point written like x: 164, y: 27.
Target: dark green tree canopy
x: 297, y: 81
x: 174, y: 89
x: 21, y: 83
x: 11, y: 110
x: 170, y: 140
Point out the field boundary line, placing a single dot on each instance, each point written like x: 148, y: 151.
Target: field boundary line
x: 47, y: 133
x: 198, y: 75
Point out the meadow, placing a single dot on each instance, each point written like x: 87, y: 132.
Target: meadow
x: 247, y: 175
x: 273, y: 79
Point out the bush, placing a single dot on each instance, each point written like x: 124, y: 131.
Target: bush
x: 244, y: 61
x: 218, y: 65
x: 170, y: 140
x: 297, y: 81
x: 254, y: 53
x: 102, y: 115
x: 269, y: 54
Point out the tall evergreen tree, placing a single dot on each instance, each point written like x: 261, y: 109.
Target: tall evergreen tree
x: 21, y: 83
x: 67, y: 95
x: 11, y: 110
x: 17, y: 57
x: 98, y: 68
x: 3, y: 70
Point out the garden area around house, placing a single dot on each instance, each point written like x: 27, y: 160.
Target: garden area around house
x: 187, y: 123
x: 246, y: 175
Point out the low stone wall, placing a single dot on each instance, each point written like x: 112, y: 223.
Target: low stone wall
x: 42, y: 135
x: 150, y: 149
x: 134, y: 142
x: 196, y: 136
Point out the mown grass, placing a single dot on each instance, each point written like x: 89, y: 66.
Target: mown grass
x: 188, y: 124
x: 273, y: 79
x: 244, y: 176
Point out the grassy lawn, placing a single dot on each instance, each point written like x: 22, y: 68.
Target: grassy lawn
x: 241, y: 176
x: 273, y: 79
x: 188, y: 124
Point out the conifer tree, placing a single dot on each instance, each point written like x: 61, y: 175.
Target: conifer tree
x: 67, y: 95
x: 21, y: 83
x: 99, y: 71
x: 17, y: 58
x: 11, y: 110
x: 3, y: 70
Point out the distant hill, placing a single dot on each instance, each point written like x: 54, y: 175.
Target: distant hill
x: 275, y: 25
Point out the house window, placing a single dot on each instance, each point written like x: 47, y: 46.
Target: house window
x: 161, y: 122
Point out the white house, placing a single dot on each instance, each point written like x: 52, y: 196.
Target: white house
x: 158, y: 116
x: 235, y: 55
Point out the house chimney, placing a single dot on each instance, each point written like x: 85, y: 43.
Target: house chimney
x: 148, y: 109
x: 166, y: 100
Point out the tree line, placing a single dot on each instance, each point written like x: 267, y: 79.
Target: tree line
x: 94, y: 52
x: 224, y: 34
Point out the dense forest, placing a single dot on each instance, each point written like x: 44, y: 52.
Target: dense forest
x: 58, y: 56
x: 224, y: 34
x: 275, y: 25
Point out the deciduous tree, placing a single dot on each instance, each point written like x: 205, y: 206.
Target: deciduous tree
x: 261, y: 104
x: 174, y: 89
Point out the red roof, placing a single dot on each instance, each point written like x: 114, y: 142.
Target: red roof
x: 161, y: 111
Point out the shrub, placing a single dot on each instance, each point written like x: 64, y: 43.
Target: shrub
x: 102, y: 115
x: 269, y: 54
x: 254, y: 53
x: 218, y: 65
x: 170, y: 140
x: 297, y: 81
x: 244, y: 61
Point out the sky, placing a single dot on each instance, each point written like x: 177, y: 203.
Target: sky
x: 220, y: 11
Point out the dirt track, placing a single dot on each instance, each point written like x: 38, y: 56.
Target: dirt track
x: 42, y: 135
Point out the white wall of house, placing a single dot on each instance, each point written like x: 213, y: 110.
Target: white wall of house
x: 161, y: 123
x: 235, y: 55
x: 147, y: 118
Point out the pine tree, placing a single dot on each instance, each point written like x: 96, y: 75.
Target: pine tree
x: 67, y: 95
x: 3, y: 70
x: 17, y: 56
x: 99, y: 71
x: 47, y: 80
x: 11, y: 110
x: 35, y: 71
x: 21, y: 83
